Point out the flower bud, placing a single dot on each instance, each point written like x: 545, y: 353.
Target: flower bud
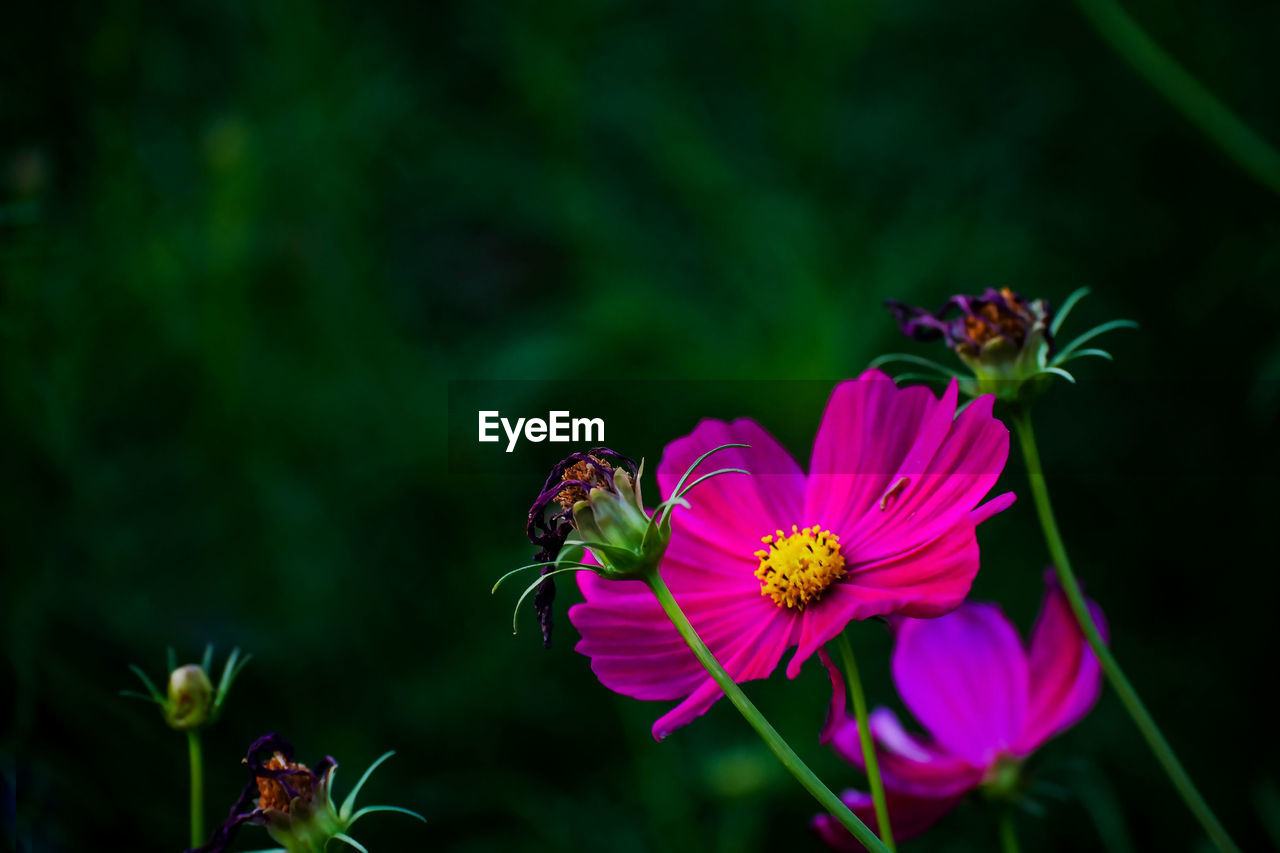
x: 1007, y: 341
x: 1004, y: 339
x: 190, y: 697
x: 293, y: 802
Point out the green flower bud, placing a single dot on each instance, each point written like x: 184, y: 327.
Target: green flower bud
x: 620, y: 534
x: 190, y: 697
x: 191, y: 700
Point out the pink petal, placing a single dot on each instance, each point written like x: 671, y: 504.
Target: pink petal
x: 908, y: 764
x: 1064, y: 674
x: 964, y: 677
x: 868, y: 429
x: 750, y: 651
x: 930, y: 494
x: 636, y: 651
x: 732, y: 511
x: 997, y: 504
x: 899, y: 478
x: 909, y: 816
x: 929, y: 580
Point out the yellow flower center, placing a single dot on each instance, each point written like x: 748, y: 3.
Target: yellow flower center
x: 796, y: 569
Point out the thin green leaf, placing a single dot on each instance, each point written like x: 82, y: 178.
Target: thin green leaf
x: 227, y: 669
x: 343, y: 837
x: 922, y: 377
x: 538, y: 566
x: 151, y: 688
x: 206, y: 662
x: 1093, y: 333
x: 1067, y: 304
x: 908, y: 358
x: 1058, y: 371
x: 662, y: 512
x: 689, y: 487
x: 171, y: 658
x: 371, y: 809
x: 604, y: 548
x: 515, y: 614
x: 350, y: 802
x: 230, y: 671
x: 1100, y: 353
x: 235, y: 673
x: 133, y: 694
x: 698, y: 462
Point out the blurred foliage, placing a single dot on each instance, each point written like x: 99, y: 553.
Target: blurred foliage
x: 245, y: 248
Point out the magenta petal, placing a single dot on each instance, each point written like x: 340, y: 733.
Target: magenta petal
x: 1064, y: 674
x: 911, y: 765
x: 909, y: 816
x: 930, y: 494
x: 869, y: 427
x: 908, y: 764
x: 824, y: 620
x: 964, y: 677
x: 636, y: 651
x: 997, y: 504
x: 837, y: 715
x: 927, y: 580
x: 751, y: 651
x: 732, y: 511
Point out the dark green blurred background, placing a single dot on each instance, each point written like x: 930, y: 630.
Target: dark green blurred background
x: 247, y: 247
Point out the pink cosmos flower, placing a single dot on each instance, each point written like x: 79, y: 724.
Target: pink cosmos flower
x: 986, y: 701
x: 884, y: 522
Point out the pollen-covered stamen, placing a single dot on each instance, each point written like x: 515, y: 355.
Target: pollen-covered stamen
x: 277, y: 792
x: 578, y: 476
x: 796, y: 569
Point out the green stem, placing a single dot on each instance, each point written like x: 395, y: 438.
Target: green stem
x: 825, y: 797
x: 1008, y: 833
x: 864, y: 735
x: 197, y: 787
x: 1128, y: 696
x: 1250, y: 151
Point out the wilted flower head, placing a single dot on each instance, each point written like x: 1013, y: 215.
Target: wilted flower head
x: 293, y: 802
x: 191, y: 700
x: 579, y: 487
x: 987, y: 702
x: 1004, y: 338
x: 884, y: 522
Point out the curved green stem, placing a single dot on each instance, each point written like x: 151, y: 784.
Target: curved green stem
x: 767, y: 732
x: 197, y: 787
x: 1250, y: 151
x: 1008, y: 833
x: 864, y: 736
x: 1128, y: 696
